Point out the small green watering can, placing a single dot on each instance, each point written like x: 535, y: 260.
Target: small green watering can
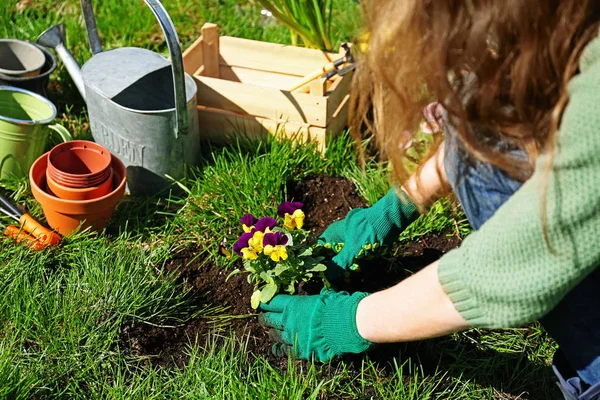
x: 24, y: 119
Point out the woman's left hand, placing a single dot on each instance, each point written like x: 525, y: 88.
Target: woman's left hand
x: 321, y: 326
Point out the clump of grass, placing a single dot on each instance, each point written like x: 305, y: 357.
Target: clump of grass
x: 309, y: 20
x: 372, y: 182
x: 443, y: 216
x: 249, y: 177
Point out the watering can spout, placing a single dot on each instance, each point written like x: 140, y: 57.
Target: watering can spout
x: 54, y: 37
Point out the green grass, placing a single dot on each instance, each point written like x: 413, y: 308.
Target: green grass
x: 61, y: 310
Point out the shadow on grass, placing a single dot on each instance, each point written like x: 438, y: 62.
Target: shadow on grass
x: 511, y: 362
x: 510, y: 375
x: 143, y: 216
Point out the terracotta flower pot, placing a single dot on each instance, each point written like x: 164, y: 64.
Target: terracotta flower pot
x: 69, y: 193
x: 65, y: 216
x: 79, y: 164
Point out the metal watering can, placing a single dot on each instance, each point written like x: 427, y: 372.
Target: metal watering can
x: 142, y: 107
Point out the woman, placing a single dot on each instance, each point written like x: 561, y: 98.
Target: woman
x: 520, y: 85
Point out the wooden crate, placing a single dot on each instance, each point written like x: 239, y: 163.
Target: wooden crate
x: 243, y: 87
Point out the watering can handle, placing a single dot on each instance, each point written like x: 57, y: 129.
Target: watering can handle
x: 90, y: 25
x: 181, y: 112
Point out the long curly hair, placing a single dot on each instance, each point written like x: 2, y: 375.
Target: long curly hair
x: 522, y: 53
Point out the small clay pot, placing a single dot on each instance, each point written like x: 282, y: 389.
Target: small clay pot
x: 79, y: 164
x: 66, y: 216
x: 69, y: 193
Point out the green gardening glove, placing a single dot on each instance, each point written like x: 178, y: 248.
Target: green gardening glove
x: 322, y: 326
x: 365, y: 229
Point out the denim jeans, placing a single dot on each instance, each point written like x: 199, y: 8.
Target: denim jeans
x: 575, y: 322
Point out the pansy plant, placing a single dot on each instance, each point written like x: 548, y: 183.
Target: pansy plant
x: 276, y: 253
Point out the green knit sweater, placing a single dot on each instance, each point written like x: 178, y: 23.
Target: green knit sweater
x: 504, y: 275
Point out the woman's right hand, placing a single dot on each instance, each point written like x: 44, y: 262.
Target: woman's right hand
x: 364, y: 230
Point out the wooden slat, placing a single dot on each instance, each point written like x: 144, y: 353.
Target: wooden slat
x: 340, y: 122
x: 261, y: 101
x: 220, y: 126
x: 192, y: 57
x: 338, y: 91
x: 210, y: 49
x: 306, y: 88
x: 272, y: 57
x: 254, y: 77
x: 317, y: 87
x: 199, y: 71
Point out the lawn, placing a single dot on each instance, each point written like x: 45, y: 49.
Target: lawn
x: 129, y: 314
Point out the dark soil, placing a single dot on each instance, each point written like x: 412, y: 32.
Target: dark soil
x: 325, y: 200
x: 167, y: 346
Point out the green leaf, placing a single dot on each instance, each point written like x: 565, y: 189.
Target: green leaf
x: 249, y: 266
x: 280, y: 268
x: 319, y: 268
x: 307, y: 252
x: 234, y: 272
x: 268, y: 292
x: 255, y: 299
x: 267, y: 276
x: 291, y: 288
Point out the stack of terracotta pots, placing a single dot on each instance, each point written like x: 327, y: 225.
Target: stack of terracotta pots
x: 78, y: 184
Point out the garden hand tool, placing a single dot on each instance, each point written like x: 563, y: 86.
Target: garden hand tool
x: 20, y: 236
x: 366, y: 229
x: 321, y: 326
x: 327, y: 69
x: 142, y: 106
x: 29, y: 225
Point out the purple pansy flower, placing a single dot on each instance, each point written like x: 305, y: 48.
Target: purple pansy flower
x: 275, y: 238
x: 242, y: 242
x: 288, y: 207
x: 248, y: 220
x: 264, y: 223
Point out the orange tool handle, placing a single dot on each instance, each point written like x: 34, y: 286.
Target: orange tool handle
x: 20, y: 236
x: 40, y: 232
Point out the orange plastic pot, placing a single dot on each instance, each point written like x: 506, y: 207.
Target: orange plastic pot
x: 69, y: 193
x: 66, y: 216
x: 79, y: 164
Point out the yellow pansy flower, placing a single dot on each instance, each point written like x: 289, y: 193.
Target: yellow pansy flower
x: 277, y: 252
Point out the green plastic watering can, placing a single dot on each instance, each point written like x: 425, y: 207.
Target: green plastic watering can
x: 24, y: 129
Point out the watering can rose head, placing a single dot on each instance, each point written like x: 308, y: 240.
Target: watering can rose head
x: 292, y: 214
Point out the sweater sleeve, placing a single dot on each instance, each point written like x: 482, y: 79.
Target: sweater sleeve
x: 505, y: 274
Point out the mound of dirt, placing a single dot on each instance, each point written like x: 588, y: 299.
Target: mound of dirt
x: 326, y: 199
